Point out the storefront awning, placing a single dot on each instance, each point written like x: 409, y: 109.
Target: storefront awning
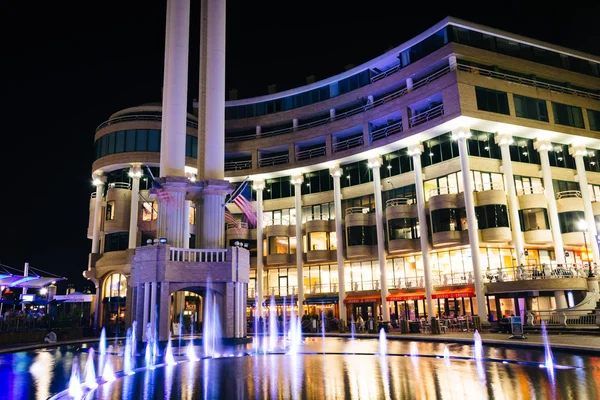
x: 454, y: 293
x: 400, y: 296
x: 372, y: 298
x: 321, y: 300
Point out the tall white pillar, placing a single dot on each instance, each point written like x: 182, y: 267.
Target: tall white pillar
x: 98, y: 180
x: 461, y: 135
x: 336, y: 173
x: 186, y: 226
x: 297, y: 181
x: 146, y: 315
x: 214, y: 80
x: 135, y: 172
x: 153, y: 307
x: 504, y: 140
x: 174, y: 107
x: 212, y: 228
x: 332, y: 113
x: 415, y: 151
x: 561, y: 300
x: 375, y: 165
x: 578, y: 151
x: 543, y: 146
x: 171, y: 214
x: 259, y: 186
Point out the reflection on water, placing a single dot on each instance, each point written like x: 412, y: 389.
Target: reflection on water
x: 36, y: 375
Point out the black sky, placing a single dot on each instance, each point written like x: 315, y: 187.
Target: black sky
x: 66, y: 66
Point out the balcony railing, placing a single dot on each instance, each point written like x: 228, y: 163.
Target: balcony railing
x: 384, y: 132
x: 397, y: 202
x: 282, y: 159
x: 279, y: 221
x: 530, y: 190
x: 481, y: 187
x: 127, y: 118
x: 357, y: 210
x: 442, y: 190
x: 426, y: 115
x: 237, y: 165
x: 538, y: 271
x: 567, y: 194
x: 119, y: 185
x: 526, y: 81
x: 317, y: 217
x: 310, y: 153
x: 348, y: 144
x: 197, y: 255
x: 394, y: 95
x: 562, y: 318
x: 239, y: 225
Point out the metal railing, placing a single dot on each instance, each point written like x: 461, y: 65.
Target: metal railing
x: 442, y: 190
x: 386, y: 73
x: 119, y: 185
x: 348, y: 144
x: 480, y: 187
x: 386, y: 131
x: 278, y: 221
x: 536, y: 271
x: 239, y: 225
x: 198, y: 255
x: 394, y: 95
x: 317, y: 217
x: 526, y: 81
x: 408, y: 283
x: 357, y: 210
x: 276, y: 160
x: 530, y: 190
x: 562, y: 318
x: 93, y: 195
x: 426, y: 116
x: 567, y: 194
x: 237, y: 165
x: 127, y: 118
x: 310, y: 153
x: 398, y: 201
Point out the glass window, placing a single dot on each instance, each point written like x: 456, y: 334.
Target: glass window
x: 492, y: 100
x: 141, y: 140
x: 534, y: 219
x: 567, y: 115
x: 117, y: 241
x: 445, y: 220
x: 153, y: 140
x: 531, y: 108
x: 403, y: 228
x: 318, y: 241
x: 130, y: 140
x: 569, y: 221
x: 279, y: 245
x: 115, y: 285
x: 110, y: 210
x: 492, y: 216
x: 120, y: 142
x: 149, y: 211
x: 594, y: 119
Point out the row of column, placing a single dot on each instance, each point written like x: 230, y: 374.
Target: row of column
x: 415, y: 150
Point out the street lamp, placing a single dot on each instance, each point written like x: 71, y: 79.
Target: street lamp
x: 582, y: 225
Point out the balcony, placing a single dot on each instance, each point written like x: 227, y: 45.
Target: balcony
x: 347, y: 144
x: 238, y: 165
x: 237, y: 231
x: 275, y: 160
x: 544, y: 277
x: 426, y: 116
x: 386, y: 131
x: 532, y: 197
x: 310, y: 153
x: 129, y: 118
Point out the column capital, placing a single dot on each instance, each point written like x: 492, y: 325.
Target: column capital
x: 375, y: 162
x: 136, y: 171
x: 578, y: 149
x: 336, y: 171
x: 258, y: 185
x: 542, y: 145
x: 98, y: 178
x: 415, y: 149
x: 461, y: 133
x: 503, y: 139
x: 297, y: 179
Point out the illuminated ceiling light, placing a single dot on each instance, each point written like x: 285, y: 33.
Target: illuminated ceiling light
x: 389, y: 167
x: 486, y: 148
x: 430, y: 154
x: 348, y: 177
x: 525, y: 153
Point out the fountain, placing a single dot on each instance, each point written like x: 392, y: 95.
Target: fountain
x: 414, y: 351
x: 108, y: 374
x: 283, y: 325
x: 383, y: 343
x: 211, y: 327
x: 272, y: 325
x: 90, y: 371
x: 102, y: 351
x: 446, y: 356
x: 478, y: 355
x: 75, y: 390
x: 191, y: 351
x: 169, y: 358
x: 548, y: 357
x: 128, y: 355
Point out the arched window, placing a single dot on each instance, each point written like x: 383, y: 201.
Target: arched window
x: 115, y: 285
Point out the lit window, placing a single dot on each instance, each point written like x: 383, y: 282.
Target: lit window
x: 192, y: 215
x: 149, y: 211
x: 110, y: 210
x: 115, y: 285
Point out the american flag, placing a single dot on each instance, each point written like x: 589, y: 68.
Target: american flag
x: 239, y: 200
x: 229, y: 218
x: 158, y: 189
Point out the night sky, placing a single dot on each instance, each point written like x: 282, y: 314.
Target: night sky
x: 66, y: 66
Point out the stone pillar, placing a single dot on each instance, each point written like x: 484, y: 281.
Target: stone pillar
x: 561, y: 300
x: 211, y: 231
x: 174, y: 107
x: 135, y: 172
x: 370, y: 99
x: 99, y: 181
x: 375, y: 165
x: 543, y: 146
x: 409, y: 84
x: 164, y: 325
x: 146, y: 313
x: 153, y: 306
x: 259, y: 186
x: 461, y: 135
x: 504, y: 140
x: 214, y: 81
x: 297, y: 181
x: 578, y: 151
x: 139, y: 311
x: 186, y: 227
x: 332, y: 113
x: 171, y: 216
x: 452, y: 62
x: 415, y: 151
x: 336, y: 172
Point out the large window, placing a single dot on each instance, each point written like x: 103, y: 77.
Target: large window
x: 492, y: 216
x: 487, y: 181
x: 318, y: 240
x: 144, y: 140
x: 397, y: 162
x: 451, y: 183
x: 279, y: 245
x: 116, y: 241
x: 531, y: 108
x: 277, y: 188
x: 439, y: 149
x: 522, y: 150
x: 403, y: 228
x: 564, y: 186
x: 356, y: 173
x: 559, y: 156
x: 594, y: 118
x: 492, y: 100
x: 149, y: 211
x: 565, y: 114
x: 448, y: 219
x: 569, y: 221
x: 534, y: 219
x: 405, y: 192
x: 361, y: 235
x: 528, y: 185
x: 482, y: 144
x: 317, y: 181
x: 115, y: 285
x: 110, y: 210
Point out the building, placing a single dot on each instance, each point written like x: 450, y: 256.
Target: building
x: 490, y: 140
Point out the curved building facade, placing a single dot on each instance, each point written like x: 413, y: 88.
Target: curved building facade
x: 458, y: 171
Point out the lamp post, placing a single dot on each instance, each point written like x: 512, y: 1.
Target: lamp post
x: 583, y: 227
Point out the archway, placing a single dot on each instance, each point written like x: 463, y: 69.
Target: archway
x: 188, y: 309
x: 114, y: 291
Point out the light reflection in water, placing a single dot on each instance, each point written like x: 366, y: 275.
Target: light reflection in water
x: 42, y: 374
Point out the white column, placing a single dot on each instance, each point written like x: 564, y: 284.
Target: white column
x: 561, y: 300
x: 295, y: 123
x: 259, y: 186
x: 297, y: 181
x: 504, y: 140
x: 98, y: 180
x: 452, y: 62
x: 336, y: 173
x: 409, y: 84
x: 370, y: 99
x: 153, y: 307
x: 174, y: 107
x: 186, y: 226
x: 375, y: 165
x: 415, y: 151
x: 543, y: 146
x: 171, y: 214
x: 461, y: 134
x: 258, y: 129
x: 578, y: 151
x: 213, y: 226
x: 146, y: 316
x: 332, y: 113
x: 135, y: 172
x: 214, y: 140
